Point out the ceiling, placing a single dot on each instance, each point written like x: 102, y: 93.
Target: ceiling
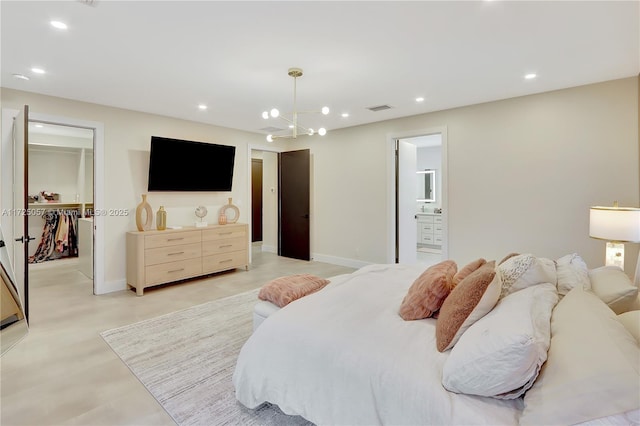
x: 167, y: 57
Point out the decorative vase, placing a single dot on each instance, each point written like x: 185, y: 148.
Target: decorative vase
x: 144, y: 207
x: 230, y: 212
x: 161, y: 219
x: 222, y: 219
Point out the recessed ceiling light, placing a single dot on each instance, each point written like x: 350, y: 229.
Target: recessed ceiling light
x: 21, y: 76
x: 420, y: 99
x: 202, y: 106
x: 39, y: 126
x: 59, y: 25
x: 530, y: 76
x: 345, y: 114
x: 37, y: 70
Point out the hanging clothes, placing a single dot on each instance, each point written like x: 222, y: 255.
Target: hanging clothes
x: 59, y: 236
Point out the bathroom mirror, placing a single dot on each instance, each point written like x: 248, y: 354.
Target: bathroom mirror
x: 13, y: 325
x: 426, y: 186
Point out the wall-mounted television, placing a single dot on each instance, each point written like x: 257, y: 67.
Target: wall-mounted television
x: 180, y: 165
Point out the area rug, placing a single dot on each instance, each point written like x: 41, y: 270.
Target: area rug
x: 186, y: 360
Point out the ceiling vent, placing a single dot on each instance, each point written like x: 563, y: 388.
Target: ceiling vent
x: 88, y: 2
x: 271, y: 129
x: 379, y: 108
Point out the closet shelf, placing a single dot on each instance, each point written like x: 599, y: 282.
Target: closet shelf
x: 61, y: 206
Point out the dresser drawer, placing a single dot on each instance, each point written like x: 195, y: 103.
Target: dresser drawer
x: 437, y: 219
x: 221, y: 262
x: 172, y: 271
x: 172, y: 239
x: 437, y: 239
x: 172, y: 253
x: 223, y: 246
x: 437, y: 227
x: 224, y: 233
x: 423, y: 218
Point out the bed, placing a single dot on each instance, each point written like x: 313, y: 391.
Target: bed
x: 343, y: 355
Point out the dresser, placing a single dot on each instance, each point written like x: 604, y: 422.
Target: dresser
x: 160, y: 257
x: 429, y: 230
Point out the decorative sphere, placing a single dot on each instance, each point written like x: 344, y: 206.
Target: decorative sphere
x: 322, y: 131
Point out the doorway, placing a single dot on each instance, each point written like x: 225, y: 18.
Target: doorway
x: 267, y: 214
x: 10, y: 178
x: 418, y: 228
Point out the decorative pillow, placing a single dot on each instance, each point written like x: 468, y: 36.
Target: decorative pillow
x: 428, y: 291
x: 631, y: 321
x: 501, y: 354
x: 285, y: 290
x: 525, y: 270
x: 469, y: 301
x: 592, y: 366
x: 464, y: 272
x: 572, y: 272
x: 614, y: 288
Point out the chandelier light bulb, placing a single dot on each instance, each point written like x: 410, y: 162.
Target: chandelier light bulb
x: 275, y: 113
x: 269, y: 138
x: 322, y: 131
x: 325, y: 110
x: 311, y: 132
x: 265, y: 115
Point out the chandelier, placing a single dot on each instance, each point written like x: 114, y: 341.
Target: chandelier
x: 296, y: 129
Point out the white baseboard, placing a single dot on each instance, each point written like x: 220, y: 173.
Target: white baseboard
x: 342, y: 261
x: 111, y: 286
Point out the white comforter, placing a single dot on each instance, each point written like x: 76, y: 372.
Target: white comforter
x: 344, y: 356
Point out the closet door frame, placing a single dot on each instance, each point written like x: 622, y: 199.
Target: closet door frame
x: 99, y: 284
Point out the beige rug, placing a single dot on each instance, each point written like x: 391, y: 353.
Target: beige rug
x: 186, y: 360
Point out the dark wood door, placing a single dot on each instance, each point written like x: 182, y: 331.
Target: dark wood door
x: 293, y: 204
x: 256, y: 200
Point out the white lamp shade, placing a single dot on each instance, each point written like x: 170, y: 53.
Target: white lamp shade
x: 620, y: 224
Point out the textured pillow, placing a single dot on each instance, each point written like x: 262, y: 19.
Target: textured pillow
x: 525, y: 270
x: 631, y: 321
x: 614, y: 288
x: 464, y: 272
x: 469, y: 301
x: 428, y: 291
x: 592, y: 366
x: 501, y: 354
x: 285, y: 290
x: 572, y: 272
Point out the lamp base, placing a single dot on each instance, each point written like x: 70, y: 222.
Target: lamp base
x: 615, y: 255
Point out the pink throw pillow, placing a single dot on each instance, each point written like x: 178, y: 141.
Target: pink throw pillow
x: 285, y: 290
x: 464, y: 272
x: 428, y: 291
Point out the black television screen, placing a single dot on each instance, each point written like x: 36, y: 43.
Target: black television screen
x: 179, y: 165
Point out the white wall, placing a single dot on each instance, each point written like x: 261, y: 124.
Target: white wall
x: 522, y: 174
x: 127, y: 136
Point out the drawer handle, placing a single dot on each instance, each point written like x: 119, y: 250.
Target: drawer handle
x: 225, y: 246
x: 175, y: 239
x: 226, y: 233
x: 177, y: 270
x: 225, y: 261
x: 173, y: 254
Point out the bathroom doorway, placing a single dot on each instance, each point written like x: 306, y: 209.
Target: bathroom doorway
x: 419, y: 191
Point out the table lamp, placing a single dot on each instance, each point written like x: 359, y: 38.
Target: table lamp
x: 617, y: 225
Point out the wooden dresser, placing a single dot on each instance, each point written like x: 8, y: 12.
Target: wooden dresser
x: 159, y: 257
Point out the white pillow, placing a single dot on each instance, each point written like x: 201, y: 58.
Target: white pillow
x: 631, y: 321
x: 592, y: 368
x: 501, y: 354
x: 572, y: 272
x: 614, y: 288
x: 525, y: 270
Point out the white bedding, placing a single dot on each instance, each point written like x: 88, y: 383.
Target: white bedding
x: 344, y: 356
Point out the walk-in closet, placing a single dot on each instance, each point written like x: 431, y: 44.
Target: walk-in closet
x: 60, y: 189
